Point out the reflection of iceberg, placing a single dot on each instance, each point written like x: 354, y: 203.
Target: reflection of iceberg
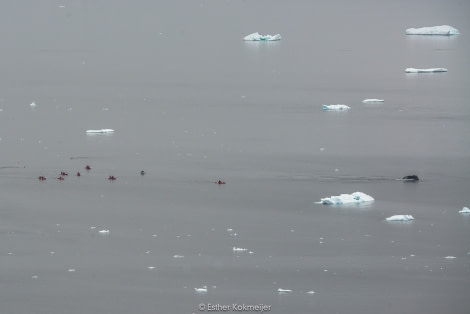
x: 372, y: 100
x: 433, y: 30
x: 335, y: 107
x: 356, y: 197
x: 430, y: 70
x: 258, y: 37
x: 102, y: 131
x: 400, y: 218
x: 465, y: 210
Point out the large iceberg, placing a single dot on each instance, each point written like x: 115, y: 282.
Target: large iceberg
x: 356, y: 197
x: 372, y: 100
x: 258, y: 37
x: 101, y: 131
x: 430, y: 70
x: 433, y: 30
x: 400, y: 218
x: 465, y: 210
x: 335, y: 107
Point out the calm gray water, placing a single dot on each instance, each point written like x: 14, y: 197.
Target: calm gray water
x: 191, y: 103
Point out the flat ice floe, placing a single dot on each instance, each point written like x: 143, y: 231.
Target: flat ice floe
x: 100, y: 131
x: 258, y: 37
x: 433, y: 30
x: 372, y: 100
x: 429, y: 70
x: 335, y: 107
x: 400, y: 218
x: 356, y: 197
x: 465, y: 210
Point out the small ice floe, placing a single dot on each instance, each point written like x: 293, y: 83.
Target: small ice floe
x: 239, y: 249
x: 33, y: 105
x: 71, y: 270
x: 283, y: 291
x: 258, y: 37
x: 101, y: 131
x: 372, y: 101
x: 428, y: 70
x: 34, y: 277
x: 465, y: 210
x: 104, y: 231
x: 151, y: 267
x: 335, y: 107
x: 450, y: 257
x: 433, y: 30
x: 400, y: 218
x: 178, y: 256
x: 311, y: 292
x: 201, y: 290
x: 356, y: 197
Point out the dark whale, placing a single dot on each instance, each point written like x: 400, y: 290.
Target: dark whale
x: 411, y: 178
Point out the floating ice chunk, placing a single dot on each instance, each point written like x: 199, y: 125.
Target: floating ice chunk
x: 430, y: 70
x: 71, y: 270
x: 282, y: 291
x: 400, y: 218
x: 151, y: 267
x: 239, y: 249
x: 33, y: 105
x: 201, y: 290
x: 335, y: 107
x: 450, y: 257
x: 433, y: 30
x: 311, y: 292
x: 178, y: 256
x: 258, y: 37
x: 356, y: 197
x: 465, y: 210
x: 105, y: 231
x: 101, y: 131
x: 372, y: 100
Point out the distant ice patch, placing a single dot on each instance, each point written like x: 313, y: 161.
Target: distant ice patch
x: 465, y: 210
x: 258, y: 37
x: 336, y: 107
x: 400, y: 218
x: 100, y: 131
x: 283, y: 291
x: 429, y: 70
x: 372, y: 100
x: 356, y: 197
x: 433, y: 30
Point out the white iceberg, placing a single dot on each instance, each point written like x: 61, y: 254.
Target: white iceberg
x: 430, y: 70
x: 433, y: 30
x: 258, y: 37
x: 239, y: 249
x: 356, y: 197
x: 101, y: 131
x: 105, y: 231
x: 280, y: 290
x: 372, y: 100
x: 400, y: 218
x: 335, y: 107
x: 465, y: 210
x: 33, y: 105
x: 203, y: 289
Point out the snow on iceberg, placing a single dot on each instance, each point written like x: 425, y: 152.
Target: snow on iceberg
x: 258, y: 37
x: 400, y: 218
x: 335, y: 107
x: 356, y: 197
x: 430, y: 70
x: 372, y: 100
x: 465, y: 210
x: 101, y: 131
x: 433, y: 30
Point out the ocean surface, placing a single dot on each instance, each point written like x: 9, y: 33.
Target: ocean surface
x: 191, y: 103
